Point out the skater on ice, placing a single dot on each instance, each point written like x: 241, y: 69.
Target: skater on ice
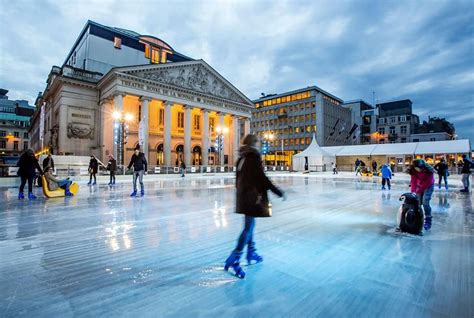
x: 334, y: 168
x: 386, y: 176
x: 93, y: 167
x: 467, y: 166
x: 422, y: 183
x: 27, y: 166
x: 53, y: 183
x: 140, y: 167
x: 443, y: 172
x: 252, y: 201
x: 112, y: 167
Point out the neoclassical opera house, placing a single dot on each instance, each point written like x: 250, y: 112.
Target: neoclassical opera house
x: 118, y: 89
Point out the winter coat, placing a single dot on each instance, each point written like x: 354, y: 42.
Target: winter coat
x: 252, y: 183
x: 441, y: 168
x: 386, y: 172
x: 53, y: 183
x: 112, y: 165
x: 48, y: 162
x: 27, y: 165
x: 139, y: 162
x: 93, y: 166
x: 466, y: 166
x: 421, y: 181
x: 182, y: 165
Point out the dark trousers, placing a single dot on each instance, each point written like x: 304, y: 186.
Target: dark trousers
x: 385, y: 180
x: 23, y: 182
x: 441, y: 177
x: 246, y: 237
x: 90, y: 178
x: 112, y: 177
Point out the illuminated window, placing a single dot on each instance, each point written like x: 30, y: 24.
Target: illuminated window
x: 155, y: 56
x: 308, y: 128
x: 147, y: 51
x: 197, y: 122
x: 211, y: 124
x: 163, y: 57
x: 265, y: 103
x: 117, y: 42
x: 297, y: 129
x: 293, y: 97
x: 180, y: 120
x: 279, y: 100
x: 161, y: 117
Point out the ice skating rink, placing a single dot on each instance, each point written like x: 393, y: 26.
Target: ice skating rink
x: 330, y: 250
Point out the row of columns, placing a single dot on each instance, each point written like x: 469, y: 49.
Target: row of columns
x: 144, y: 123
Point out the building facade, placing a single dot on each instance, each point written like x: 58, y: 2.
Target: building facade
x: 14, y: 124
x: 396, y: 122
x: 287, y: 121
x: 172, y: 106
x: 364, y: 119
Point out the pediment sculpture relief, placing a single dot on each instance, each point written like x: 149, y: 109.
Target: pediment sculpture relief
x: 196, y: 78
x: 80, y: 131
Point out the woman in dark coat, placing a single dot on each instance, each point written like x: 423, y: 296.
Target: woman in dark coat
x: 93, y: 167
x: 252, y: 200
x: 27, y: 166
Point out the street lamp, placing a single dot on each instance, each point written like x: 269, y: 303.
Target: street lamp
x: 220, y: 141
x: 121, y: 133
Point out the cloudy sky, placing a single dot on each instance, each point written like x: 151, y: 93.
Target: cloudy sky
x: 421, y: 50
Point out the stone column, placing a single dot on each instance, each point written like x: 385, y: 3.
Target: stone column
x: 106, y: 128
x: 167, y: 139
x: 246, y: 126
x: 221, y: 125
x: 205, y: 137
x: 144, y: 124
x: 236, y: 138
x: 118, y: 107
x: 187, y: 135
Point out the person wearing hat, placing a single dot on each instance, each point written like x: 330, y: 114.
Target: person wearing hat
x: 27, y: 165
x: 251, y: 199
x: 422, y: 183
x: 140, y: 167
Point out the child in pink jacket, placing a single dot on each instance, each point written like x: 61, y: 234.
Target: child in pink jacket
x: 422, y: 183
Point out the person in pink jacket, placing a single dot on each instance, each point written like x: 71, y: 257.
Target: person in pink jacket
x: 422, y: 183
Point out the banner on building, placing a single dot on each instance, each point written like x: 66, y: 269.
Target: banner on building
x: 140, y: 132
x: 41, y: 132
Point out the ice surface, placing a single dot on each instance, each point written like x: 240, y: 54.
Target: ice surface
x: 330, y: 250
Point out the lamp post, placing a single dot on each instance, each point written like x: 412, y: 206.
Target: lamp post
x: 220, y: 141
x: 121, y: 134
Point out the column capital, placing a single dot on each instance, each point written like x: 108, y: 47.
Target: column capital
x: 188, y: 107
x: 205, y: 110
x: 168, y: 103
x: 145, y: 98
x: 116, y: 94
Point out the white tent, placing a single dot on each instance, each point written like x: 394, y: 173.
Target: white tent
x: 317, y: 158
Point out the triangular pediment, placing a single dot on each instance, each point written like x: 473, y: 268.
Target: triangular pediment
x: 195, y: 76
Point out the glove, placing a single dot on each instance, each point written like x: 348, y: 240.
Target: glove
x: 283, y: 197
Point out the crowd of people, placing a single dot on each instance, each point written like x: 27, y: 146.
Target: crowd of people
x: 252, y: 186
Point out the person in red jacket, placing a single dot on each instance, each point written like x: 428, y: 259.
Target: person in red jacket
x: 422, y: 183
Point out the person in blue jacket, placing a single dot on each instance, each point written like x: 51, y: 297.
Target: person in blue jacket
x: 386, y: 176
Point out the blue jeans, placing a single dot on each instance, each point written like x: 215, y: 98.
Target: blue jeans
x: 441, y: 176
x: 246, y: 237
x: 138, y: 174
x: 465, y: 180
x: 425, y: 200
